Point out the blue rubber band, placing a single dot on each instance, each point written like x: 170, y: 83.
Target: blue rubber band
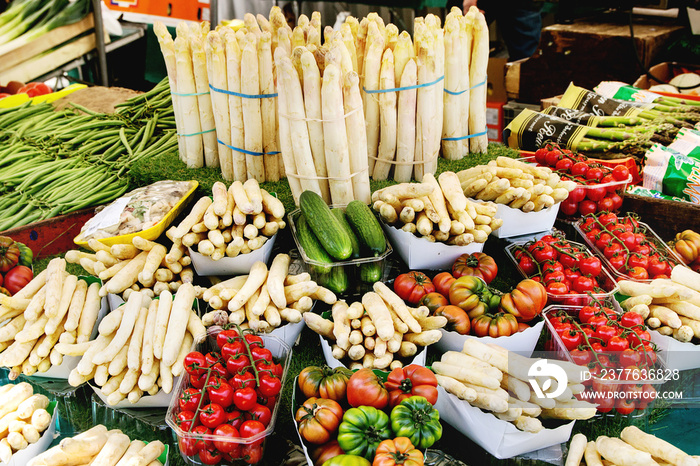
x: 248, y: 152
x: 189, y: 95
x: 465, y: 90
x: 245, y: 96
x: 462, y: 138
x: 196, y: 134
x: 407, y: 88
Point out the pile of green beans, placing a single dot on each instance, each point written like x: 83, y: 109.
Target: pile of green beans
x: 56, y: 162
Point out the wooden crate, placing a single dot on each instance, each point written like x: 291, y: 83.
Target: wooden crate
x: 586, y: 53
x: 52, y: 236
x: 665, y: 217
x: 45, y: 54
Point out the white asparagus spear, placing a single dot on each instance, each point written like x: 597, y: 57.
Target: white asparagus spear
x: 285, y: 130
x: 206, y: 115
x: 465, y: 48
x: 387, y: 118
x: 357, y: 137
x: 335, y: 137
x: 267, y: 107
x: 299, y: 132
x: 312, y: 105
x: 252, y: 116
x: 477, y: 75
x: 190, y: 110
x: 371, y: 69
x: 437, y: 91
x: 167, y: 48
x: 216, y: 61
x: 451, y: 124
x: 406, y: 124
x: 235, y: 106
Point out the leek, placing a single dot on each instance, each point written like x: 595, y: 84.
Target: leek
x: 32, y: 19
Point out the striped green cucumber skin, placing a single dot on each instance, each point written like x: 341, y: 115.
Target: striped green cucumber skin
x: 367, y: 227
x: 325, y: 226
x: 340, y: 215
x: 333, y: 278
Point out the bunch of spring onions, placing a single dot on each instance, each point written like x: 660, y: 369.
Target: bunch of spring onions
x: 210, y: 72
x: 466, y: 62
x: 322, y: 130
x: 28, y: 20
x: 56, y: 162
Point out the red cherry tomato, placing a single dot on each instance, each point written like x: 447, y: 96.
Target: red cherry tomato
x: 229, y: 432
x: 244, y: 398
x: 212, y: 415
x: 194, y: 363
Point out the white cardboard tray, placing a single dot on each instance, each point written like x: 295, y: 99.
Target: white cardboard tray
x: 289, y: 333
x: 22, y: 457
x: 517, y: 223
x: 676, y: 354
x: 159, y: 400
x: 419, y: 253
x: 238, y: 265
x: 522, y: 343
x: 500, y: 438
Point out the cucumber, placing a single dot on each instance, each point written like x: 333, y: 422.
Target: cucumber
x: 367, y: 227
x: 325, y: 226
x: 340, y: 215
x: 333, y: 278
x: 371, y: 272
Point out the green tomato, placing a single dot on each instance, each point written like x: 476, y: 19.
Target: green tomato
x: 362, y: 430
x: 347, y: 460
x: 26, y: 256
x: 418, y: 420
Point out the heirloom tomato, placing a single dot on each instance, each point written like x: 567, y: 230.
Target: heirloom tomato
x: 412, y: 286
x: 362, y: 430
x: 398, y: 452
x: 366, y: 389
x: 318, y: 419
x: 324, y: 382
x: 476, y: 264
x: 526, y: 301
x: 404, y: 382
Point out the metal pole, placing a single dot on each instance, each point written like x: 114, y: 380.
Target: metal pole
x: 100, y: 42
x: 214, y: 13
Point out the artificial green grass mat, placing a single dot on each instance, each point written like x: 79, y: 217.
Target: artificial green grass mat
x: 170, y: 167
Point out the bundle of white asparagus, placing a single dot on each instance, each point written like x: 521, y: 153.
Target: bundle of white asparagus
x: 224, y: 98
x: 466, y: 61
x: 321, y: 120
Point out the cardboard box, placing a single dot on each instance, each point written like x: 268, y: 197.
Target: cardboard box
x: 496, y: 80
x: 665, y: 71
x: 587, y: 52
x: 522, y: 343
x: 494, y: 121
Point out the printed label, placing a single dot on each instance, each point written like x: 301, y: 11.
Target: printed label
x: 573, y: 115
x: 531, y: 130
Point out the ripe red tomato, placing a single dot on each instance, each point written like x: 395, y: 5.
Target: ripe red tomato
x: 639, y: 337
x: 412, y: 286
x: 579, y: 168
x: 259, y: 413
x: 571, y: 339
x: 617, y: 262
x: 564, y: 164
x: 569, y: 206
x: 638, y: 273
x: 237, y: 364
x: 621, y: 173
x: 365, y: 389
x: 252, y: 428
x: 195, y: 363
x: 212, y: 415
x: 586, y: 207
x: 252, y: 453
x: 270, y: 385
x: 17, y: 277
x: 606, y: 205
x: 210, y: 456
x: 590, y: 266
x: 587, y: 313
x: 442, y: 283
x: 616, y: 201
x: 220, y: 393
x: 227, y: 336
x: 625, y: 406
x: 184, y: 419
x: 189, y: 399
x: 552, y: 157
x: 232, y: 349
x: 242, y: 380
x: 557, y: 288
x: 584, y: 284
x: 527, y: 265
x: 540, y: 155
x: 595, y: 173
x: 556, y: 276
x: 476, y: 264
x: 227, y: 431
x: 552, y: 266
x: 245, y: 398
